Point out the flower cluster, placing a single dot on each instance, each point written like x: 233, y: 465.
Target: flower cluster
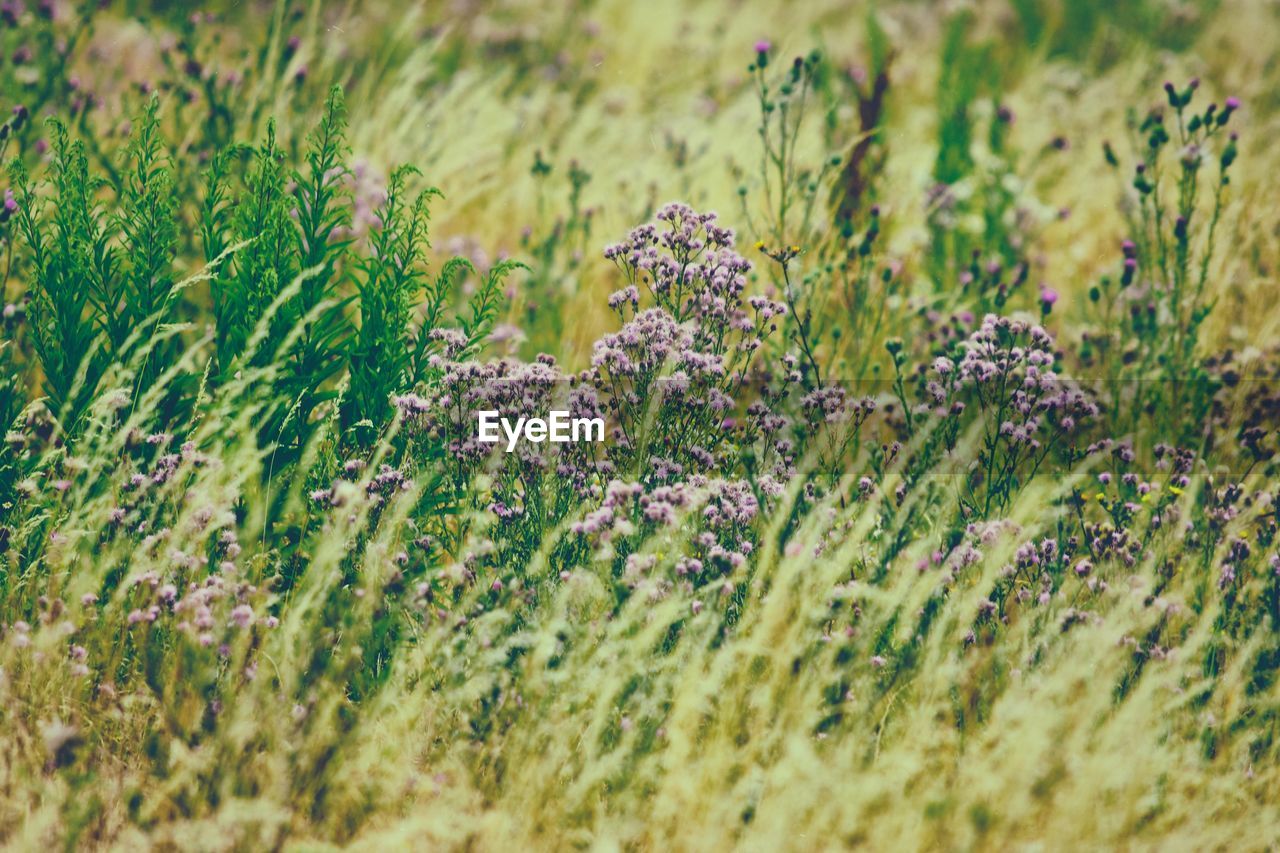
x: 1005, y: 376
x: 688, y: 263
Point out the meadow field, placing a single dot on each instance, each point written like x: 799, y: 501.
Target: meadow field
x: 938, y: 351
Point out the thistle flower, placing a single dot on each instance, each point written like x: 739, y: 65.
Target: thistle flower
x: 1048, y: 298
x: 242, y: 616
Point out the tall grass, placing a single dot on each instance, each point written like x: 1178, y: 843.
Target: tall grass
x: 931, y: 515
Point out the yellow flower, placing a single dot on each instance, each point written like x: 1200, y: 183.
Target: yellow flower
x: 760, y: 245
x: 1175, y: 490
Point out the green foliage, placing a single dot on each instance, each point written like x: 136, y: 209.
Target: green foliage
x: 1100, y: 31
x: 267, y: 262
x: 147, y: 223
x: 966, y: 71
x: 322, y: 200
x: 78, y: 319
x: 556, y: 254
x: 391, y: 280
x: 486, y: 303
x: 439, y: 294
x: 1152, y: 349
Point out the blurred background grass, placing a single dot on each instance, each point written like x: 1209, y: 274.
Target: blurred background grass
x: 638, y: 104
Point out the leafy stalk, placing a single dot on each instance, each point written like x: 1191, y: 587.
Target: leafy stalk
x: 391, y: 278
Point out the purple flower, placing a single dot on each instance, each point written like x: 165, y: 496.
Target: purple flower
x: 10, y: 11
x: 242, y: 616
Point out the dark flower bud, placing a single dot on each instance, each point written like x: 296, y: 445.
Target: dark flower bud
x: 1228, y: 108
x: 1229, y: 153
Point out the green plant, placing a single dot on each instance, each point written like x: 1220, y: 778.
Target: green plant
x: 78, y: 320
x: 390, y: 283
